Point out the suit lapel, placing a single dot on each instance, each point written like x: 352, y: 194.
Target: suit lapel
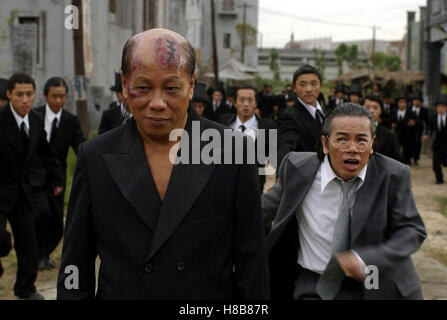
x: 131, y: 173
x: 299, y: 181
x: 12, y: 130
x: 185, y: 185
x: 309, y: 121
x: 35, y: 132
x: 364, y: 201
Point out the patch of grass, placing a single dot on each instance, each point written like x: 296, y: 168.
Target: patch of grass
x: 443, y: 205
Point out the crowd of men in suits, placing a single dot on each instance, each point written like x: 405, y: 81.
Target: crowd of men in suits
x: 313, y: 140
x: 33, y: 165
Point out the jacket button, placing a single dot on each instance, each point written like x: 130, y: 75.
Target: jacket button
x: 180, y: 266
x: 148, y: 268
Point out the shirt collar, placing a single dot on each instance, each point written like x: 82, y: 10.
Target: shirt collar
x: 18, y: 118
x: 51, y: 115
x: 328, y: 174
x: 250, y: 123
x: 312, y: 110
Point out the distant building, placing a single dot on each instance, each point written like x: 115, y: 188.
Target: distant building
x: 33, y: 39
x: 318, y: 43
x: 291, y: 59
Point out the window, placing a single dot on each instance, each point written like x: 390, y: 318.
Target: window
x: 227, y: 40
x: 228, y: 5
x: 33, y: 21
x: 436, y: 7
x: 112, y: 6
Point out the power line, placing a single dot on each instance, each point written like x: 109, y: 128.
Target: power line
x: 284, y: 14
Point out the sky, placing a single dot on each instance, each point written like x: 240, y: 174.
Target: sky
x: 354, y: 19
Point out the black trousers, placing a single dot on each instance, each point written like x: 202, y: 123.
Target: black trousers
x: 416, y: 148
x: 21, y: 219
x: 439, y: 158
x: 48, y: 212
x: 306, y: 283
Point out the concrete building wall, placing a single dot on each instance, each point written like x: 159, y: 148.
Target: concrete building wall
x: 107, y: 33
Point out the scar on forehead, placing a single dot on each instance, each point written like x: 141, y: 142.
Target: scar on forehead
x: 168, y: 52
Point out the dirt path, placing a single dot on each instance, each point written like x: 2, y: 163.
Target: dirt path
x: 430, y: 260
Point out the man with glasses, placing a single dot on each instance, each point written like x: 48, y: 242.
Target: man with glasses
x: 340, y: 211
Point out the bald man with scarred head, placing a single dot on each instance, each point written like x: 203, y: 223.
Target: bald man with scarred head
x: 166, y: 222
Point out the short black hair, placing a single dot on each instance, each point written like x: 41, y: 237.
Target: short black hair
x: 129, y: 48
x: 306, y: 69
x: 242, y: 87
x: 54, y: 82
x: 22, y: 78
x: 345, y: 109
x: 375, y: 98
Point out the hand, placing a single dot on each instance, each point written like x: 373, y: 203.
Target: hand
x: 57, y: 191
x: 426, y: 137
x: 351, y: 265
x: 393, y: 125
x: 411, y: 123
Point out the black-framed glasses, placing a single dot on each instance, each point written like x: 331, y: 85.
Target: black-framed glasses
x: 343, y: 145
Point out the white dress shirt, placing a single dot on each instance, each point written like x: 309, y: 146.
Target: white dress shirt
x: 251, y: 126
x: 401, y: 114
x: 312, y: 110
x: 49, y: 118
x: 317, y: 215
x: 19, y: 119
x: 416, y: 110
x: 442, y: 121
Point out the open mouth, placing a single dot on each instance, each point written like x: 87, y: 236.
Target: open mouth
x: 351, y: 164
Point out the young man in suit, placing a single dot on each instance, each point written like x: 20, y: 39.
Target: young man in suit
x: 355, y: 93
x: 63, y: 131
x: 404, y: 125
x: 339, y: 211
x: 163, y: 229
x: 389, y: 110
x: 299, y: 126
x: 247, y: 122
x: 421, y: 126
x: 438, y: 128
x: 116, y: 113
x: 386, y: 141
x: 22, y: 135
x: 339, y: 97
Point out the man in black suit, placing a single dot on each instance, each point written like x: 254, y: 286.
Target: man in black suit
x: 116, y: 113
x: 438, y: 128
x: 339, y: 211
x: 299, y: 126
x: 421, y: 126
x: 404, y: 125
x: 163, y: 229
x: 21, y: 136
x: 355, y: 93
x: 339, y: 97
x: 247, y: 122
x: 63, y: 130
x: 386, y: 141
x: 389, y: 110
x: 266, y: 100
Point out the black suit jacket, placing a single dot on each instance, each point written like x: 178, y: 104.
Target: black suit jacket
x: 440, y: 140
x: 386, y: 227
x: 204, y: 241
x: 407, y: 135
x: 111, y: 118
x: 386, y: 143
x: 69, y: 134
x: 297, y: 131
x: 421, y: 120
x: 15, y: 164
x: 388, y: 115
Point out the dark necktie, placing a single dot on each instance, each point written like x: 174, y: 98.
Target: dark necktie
x: 329, y: 283
x: 24, y: 134
x: 242, y: 127
x: 53, y: 131
x: 319, y: 116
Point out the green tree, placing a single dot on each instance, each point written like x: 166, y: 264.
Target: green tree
x: 274, y: 63
x: 250, y: 34
x: 353, y: 55
x: 320, y: 61
x: 382, y: 61
x: 341, y: 54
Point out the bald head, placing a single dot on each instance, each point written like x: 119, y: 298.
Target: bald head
x: 168, y: 48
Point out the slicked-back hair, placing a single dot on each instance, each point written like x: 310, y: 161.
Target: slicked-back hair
x: 54, y: 82
x: 243, y: 87
x: 375, y: 98
x: 347, y: 109
x: 188, y: 53
x: 306, y: 69
x: 21, y: 78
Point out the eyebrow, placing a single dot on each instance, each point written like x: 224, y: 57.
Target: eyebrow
x: 347, y: 134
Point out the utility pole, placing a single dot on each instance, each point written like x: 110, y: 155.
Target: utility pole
x: 243, y: 34
x: 373, y: 51
x: 80, y: 82
x: 213, y: 33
